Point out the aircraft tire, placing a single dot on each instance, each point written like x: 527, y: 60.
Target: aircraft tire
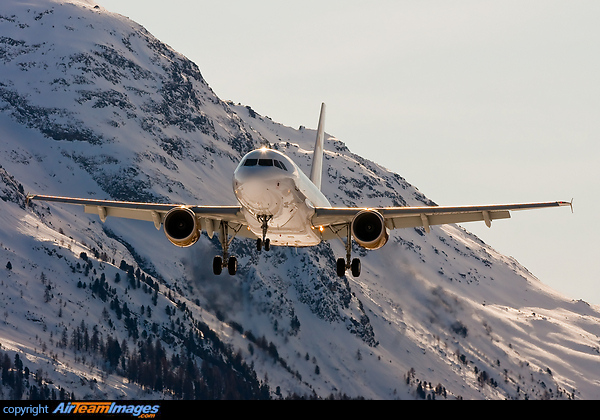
x: 217, y: 265
x: 356, y: 266
x: 341, y: 267
x: 232, y: 266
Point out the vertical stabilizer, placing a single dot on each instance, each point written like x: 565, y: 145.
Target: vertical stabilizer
x: 317, y: 164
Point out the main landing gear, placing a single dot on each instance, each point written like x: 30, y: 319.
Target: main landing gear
x: 220, y: 262
x: 354, y: 267
x: 230, y: 262
x: 348, y: 263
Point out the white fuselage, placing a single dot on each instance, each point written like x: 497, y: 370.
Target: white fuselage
x: 268, y: 183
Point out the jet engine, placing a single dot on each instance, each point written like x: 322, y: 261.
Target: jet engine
x: 181, y: 227
x: 369, y: 230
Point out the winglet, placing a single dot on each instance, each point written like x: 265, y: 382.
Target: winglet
x: 317, y: 164
x: 566, y: 203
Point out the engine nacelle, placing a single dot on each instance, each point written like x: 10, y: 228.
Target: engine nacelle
x: 181, y: 227
x: 369, y: 230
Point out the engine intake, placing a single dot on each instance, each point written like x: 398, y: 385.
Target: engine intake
x: 181, y: 227
x: 369, y: 230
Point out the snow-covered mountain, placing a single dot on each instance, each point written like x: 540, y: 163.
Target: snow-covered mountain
x: 92, y: 105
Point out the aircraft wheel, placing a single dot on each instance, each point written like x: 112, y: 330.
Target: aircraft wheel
x: 341, y: 267
x: 267, y: 244
x: 355, y: 267
x: 217, y: 265
x: 258, y: 244
x: 232, y: 265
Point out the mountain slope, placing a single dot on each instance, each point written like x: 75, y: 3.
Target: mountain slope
x: 92, y: 105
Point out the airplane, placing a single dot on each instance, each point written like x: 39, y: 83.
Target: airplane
x: 279, y: 205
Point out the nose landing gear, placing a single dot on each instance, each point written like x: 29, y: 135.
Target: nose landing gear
x: 264, y: 219
x: 260, y: 242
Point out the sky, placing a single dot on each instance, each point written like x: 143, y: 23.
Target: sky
x: 472, y: 102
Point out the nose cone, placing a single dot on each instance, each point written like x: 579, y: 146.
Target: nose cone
x: 261, y: 181
x: 258, y: 197
x: 258, y: 189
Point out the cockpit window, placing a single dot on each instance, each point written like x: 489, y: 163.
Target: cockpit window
x: 279, y: 164
x: 265, y: 162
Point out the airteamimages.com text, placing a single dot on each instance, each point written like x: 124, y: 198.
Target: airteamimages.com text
x: 82, y: 407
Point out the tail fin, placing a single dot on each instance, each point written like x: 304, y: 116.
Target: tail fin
x: 317, y: 164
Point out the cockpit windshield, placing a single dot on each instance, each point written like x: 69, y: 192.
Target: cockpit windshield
x: 265, y: 162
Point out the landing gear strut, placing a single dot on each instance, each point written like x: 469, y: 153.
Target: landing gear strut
x: 220, y: 262
x: 348, y: 263
x: 264, y: 219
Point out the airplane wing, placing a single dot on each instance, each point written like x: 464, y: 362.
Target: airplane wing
x: 211, y: 215
x: 407, y: 217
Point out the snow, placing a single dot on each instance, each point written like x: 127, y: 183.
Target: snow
x: 438, y: 308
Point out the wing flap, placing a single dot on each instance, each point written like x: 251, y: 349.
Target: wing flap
x: 424, y: 220
x: 407, y: 217
x: 151, y: 212
x: 105, y: 211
